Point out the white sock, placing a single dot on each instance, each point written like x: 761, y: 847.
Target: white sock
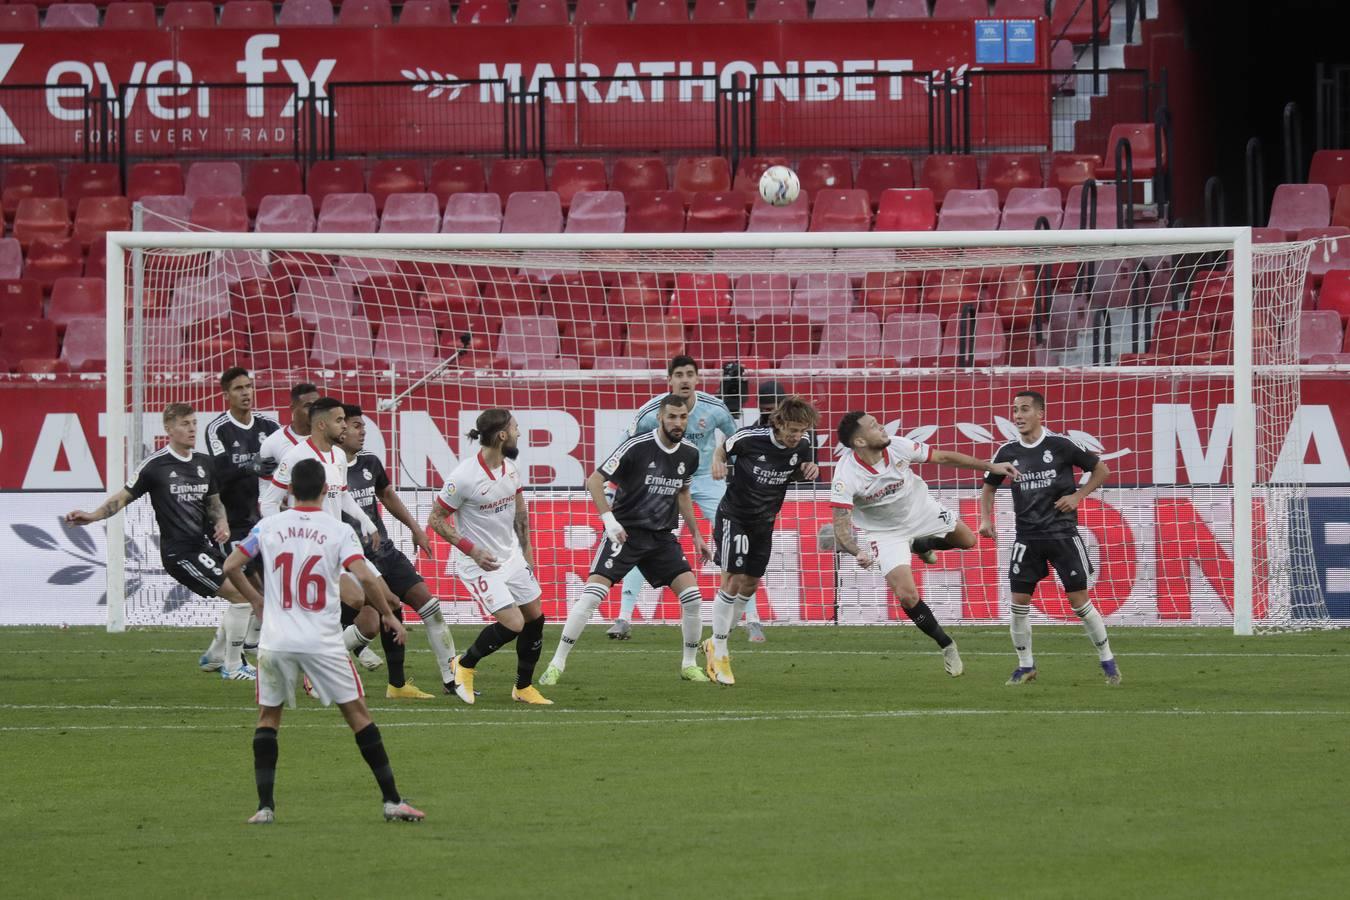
x: 235, y: 622
x: 724, y: 610
x: 438, y: 636
x: 1021, y: 635
x: 354, y: 640
x: 738, y: 609
x: 253, y: 631
x: 216, y: 651
x: 691, y: 624
x: 751, y: 608
x: 1095, y: 626
x: 592, y: 595
x: 632, y: 587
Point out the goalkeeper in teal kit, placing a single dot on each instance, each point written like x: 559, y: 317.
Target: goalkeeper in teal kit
x: 707, y: 417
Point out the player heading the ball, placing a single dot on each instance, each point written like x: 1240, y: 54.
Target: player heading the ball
x: 304, y: 553
x: 874, y: 483
x: 653, y: 472
x: 1045, y: 506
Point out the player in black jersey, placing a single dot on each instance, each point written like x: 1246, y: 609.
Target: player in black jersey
x: 762, y: 461
x: 652, y: 472
x: 192, y: 524
x: 369, y: 485
x: 1045, y: 503
x: 233, y: 439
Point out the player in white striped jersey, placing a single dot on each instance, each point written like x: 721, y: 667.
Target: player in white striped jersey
x: 481, y: 512
x: 304, y: 553
x: 874, y: 483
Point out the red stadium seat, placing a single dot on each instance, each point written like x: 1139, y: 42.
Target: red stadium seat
x: 969, y: 211
x: 285, y: 213
x: 456, y: 175
x: 986, y: 342
x: 716, y: 343
x: 154, y: 179
x: 1140, y: 137
x: 794, y: 217
x: 1299, y: 206
x: 716, y: 211
x: 900, y: 9
x: 596, y: 212
x: 11, y: 259
x: 639, y: 173
x: 637, y: 295
x: 91, y: 180
x: 701, y: 173
x: 1335, y: 293
x: 720, y: 11
x: 130, y: 16
x: 396, y: 176
x: 28, y: 339
x: 484, y: 12
x: 247, y: 14
x: 41, y: 217
x: 165, y: 212
x: 220, y: 213
x: 75, y: 298
x: 533, y: 212
x: 71, y: 15
x: 600, y: 12
x: 783, y: 335
x: 524, y: 340
x: 85, y: 346
x: 411, y: 214
x: 214, y: 179
x: 1340, y: 212
x: 511, y: 175
x: 822, y: 173
x: 850, y: 336
x: 407, y: 343
x: 941, y: 172
x: 906, y: 210
x: 751, y: 169
x: 1106, y: 207
x: 335, y: 177
x: 1070, y: 169
x: 348, y: 213
x: 846, y: 209
x: 343, y: 342
x: 20, y: 298
x: 270, y: 177
x: 1025, y: 205
x: 472, y: 213
x: 1330, y: 167
x: 96, y: 216
x: 655, y: 211
x: 1319, y: 332
x: 323, y: 296
x: 701, y: 296
x: 570, y: 176
x: 890, y: 291
x: 780, y: 11
x: 656, y: 340
x: 877, y: 174
x: 305, y: 12
x: 25, y: 180
x: 839, y: 9
x: 761, y: 296
x: 655, y: 11
x: 819, y: 295
x: 365, y: 13
x: 1008, y: 171
x: 190, y: 14
x: 1019, y: 9
x: 21, y: 17
x: 960, y: 9
x: 50, y: 259
x: 912, y: 339
x: 541, y: 12
x: 426, y: 12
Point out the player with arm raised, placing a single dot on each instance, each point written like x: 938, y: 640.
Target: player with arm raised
x: 653, y: 472
x: 192, y: 524
x: 304, y: 553
x: 1045, y: 505
x: 233, y: 439
x: 328, y: 424
x: 369, y: 485
x: 708, y: 416
x: 758, y: 463
x: 481, y: 513
x: 874, y: 483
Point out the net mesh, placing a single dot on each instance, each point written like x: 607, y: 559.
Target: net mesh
x: 1132, y: 346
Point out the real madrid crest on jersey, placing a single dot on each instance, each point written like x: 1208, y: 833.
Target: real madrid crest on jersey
x: 1047, y: 456
x: 793, y: 461
x: 201, y: 473
x: 366, y: 474
x: 679, y: 470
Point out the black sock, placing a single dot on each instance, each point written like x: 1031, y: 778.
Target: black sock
x: 265, y: 765
x: 394, y: 653
x: 528, y: 648
x: 372, y: 751
x: 923, y: 617
x: 490, y: 640
x: 348, y: 615
x: 924, y: 544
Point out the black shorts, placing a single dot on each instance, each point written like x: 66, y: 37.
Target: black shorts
x: 656, y: 554
x: 742, y: 549
x: 398, y: 571
x: 1031, y: 560
x: 196, y: 568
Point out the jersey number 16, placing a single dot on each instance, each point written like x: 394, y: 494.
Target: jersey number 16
x: 310, y: 590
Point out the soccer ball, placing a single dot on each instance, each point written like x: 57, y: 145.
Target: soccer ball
x: 779, y: 185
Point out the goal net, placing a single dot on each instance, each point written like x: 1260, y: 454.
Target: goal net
x: 1171, y: 355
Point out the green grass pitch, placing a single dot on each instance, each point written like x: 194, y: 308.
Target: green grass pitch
x: 843, y: 764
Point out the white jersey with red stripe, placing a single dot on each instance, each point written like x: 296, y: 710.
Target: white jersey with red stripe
x: 483, y: 502
x: 275, y: 446
x: 304, y: 553
x: 334, y: 463
x: 887, y: 496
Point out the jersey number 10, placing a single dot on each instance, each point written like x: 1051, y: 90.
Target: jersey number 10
x: 309, y: 590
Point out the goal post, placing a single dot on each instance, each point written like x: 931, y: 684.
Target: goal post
x: 1173, y: 354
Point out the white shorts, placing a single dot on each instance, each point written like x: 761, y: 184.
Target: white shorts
x: 511, y: 585
x: 892, y: 548
x: 331, y: 672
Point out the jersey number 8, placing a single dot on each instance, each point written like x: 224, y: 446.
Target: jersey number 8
x: 310, y: 590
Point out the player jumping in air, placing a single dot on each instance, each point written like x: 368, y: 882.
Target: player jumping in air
x: 192, y: 524
x: 490, y: 532
x: 369, y: 486
x: 873, y: 481
x: 233, y: 439
x: 707, y: 417
x: 653, y: 472
x: 757, y: 463
x: 1045, y: 505
x: 304, y: 553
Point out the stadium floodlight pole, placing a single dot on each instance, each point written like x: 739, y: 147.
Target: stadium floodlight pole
x: 1244, y: 433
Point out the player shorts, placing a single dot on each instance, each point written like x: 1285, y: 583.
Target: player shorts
x: 196, y: 568
x: 396, y: 569
x: 1031, y: 561
x: 893, y: 548
x: 511, y: 585
x: 742, y: 549
x: 656, y: 554
x: 330, y: 672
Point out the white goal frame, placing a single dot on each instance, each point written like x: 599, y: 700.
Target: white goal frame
x: 123, y: 244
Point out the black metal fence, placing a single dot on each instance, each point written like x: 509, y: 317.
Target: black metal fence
x: 461, y: 117
x: 51, y: 123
